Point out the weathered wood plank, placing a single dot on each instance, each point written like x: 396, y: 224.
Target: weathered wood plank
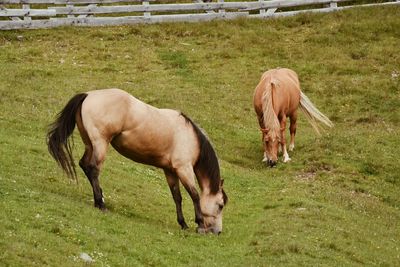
x: 27, y: 12
x: 65, y: 2
x: 245, y: 6
x: 109, y: 21
x: 321, y: 10
x: 275, y: 3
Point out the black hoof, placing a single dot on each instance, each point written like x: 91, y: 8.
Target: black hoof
x: 101, y: 206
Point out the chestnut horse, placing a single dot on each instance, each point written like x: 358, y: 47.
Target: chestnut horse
x: 277, y: 97
x: 163, y: 138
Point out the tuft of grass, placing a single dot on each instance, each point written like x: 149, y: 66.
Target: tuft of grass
x: 335, y: 203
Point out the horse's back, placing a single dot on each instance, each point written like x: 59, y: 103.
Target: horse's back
x: 137, y: 130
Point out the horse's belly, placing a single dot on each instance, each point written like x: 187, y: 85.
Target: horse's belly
x: 142, y: 151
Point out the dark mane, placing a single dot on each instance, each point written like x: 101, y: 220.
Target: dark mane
x: 207, y: 162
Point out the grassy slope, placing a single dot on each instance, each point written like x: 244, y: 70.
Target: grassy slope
x: 336, y: 203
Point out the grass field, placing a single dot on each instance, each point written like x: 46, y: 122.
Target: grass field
x: 335, y: 204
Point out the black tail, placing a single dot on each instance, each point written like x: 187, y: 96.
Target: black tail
x: 59, y: 131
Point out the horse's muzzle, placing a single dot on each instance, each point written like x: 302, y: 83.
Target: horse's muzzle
x: 208, y: 230
x: 272, y: 163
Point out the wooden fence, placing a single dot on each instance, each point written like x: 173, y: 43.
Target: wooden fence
x: 32, y: 14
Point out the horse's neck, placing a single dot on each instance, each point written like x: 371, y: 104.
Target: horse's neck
x: 205, y: 182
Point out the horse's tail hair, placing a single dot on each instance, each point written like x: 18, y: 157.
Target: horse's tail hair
x: 60, y: 130
x: 270, y: 119
x: 313, y: 114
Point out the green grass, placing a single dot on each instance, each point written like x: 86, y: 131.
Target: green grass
x: 335, y: 204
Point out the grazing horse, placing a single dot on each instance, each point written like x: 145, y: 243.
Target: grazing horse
x: 163, y: 138
x: 277, y: 96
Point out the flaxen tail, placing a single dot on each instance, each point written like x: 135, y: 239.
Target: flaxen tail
x: 60, y: 130
x: 313, y: 114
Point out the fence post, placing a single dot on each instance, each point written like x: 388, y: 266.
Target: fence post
x: 221, y: 10
x: 71, y: 6
x: 262, y: 10
x: 146, y: 14
x: 26, y: 7
x: 332, y: 4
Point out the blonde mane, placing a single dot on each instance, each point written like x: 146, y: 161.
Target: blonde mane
x: 271, y: 121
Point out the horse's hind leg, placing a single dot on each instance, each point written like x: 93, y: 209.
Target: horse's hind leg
x: 293, y: 126
x: 173, y: 182
x: 286, y: 157
x: 91, y: 163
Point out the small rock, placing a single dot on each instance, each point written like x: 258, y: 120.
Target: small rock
x: 86, y: 258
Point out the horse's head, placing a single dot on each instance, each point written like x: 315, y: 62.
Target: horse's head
x: 211, y: 208
x: 271, y: 146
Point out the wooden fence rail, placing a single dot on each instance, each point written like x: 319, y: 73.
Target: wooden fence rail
x: 31, y: 14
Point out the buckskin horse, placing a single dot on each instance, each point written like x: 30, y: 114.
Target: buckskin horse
x: 277, y: 97
x: 163, y: 138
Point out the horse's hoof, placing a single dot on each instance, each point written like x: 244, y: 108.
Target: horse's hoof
x: 103, y: 209
x: 287, y: 160
x: 101, y: 206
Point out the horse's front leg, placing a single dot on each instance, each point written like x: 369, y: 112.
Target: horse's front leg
x: 173, y: 182
x: 286, y: 157
x: 263, y: 133
x: 187, y: 177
